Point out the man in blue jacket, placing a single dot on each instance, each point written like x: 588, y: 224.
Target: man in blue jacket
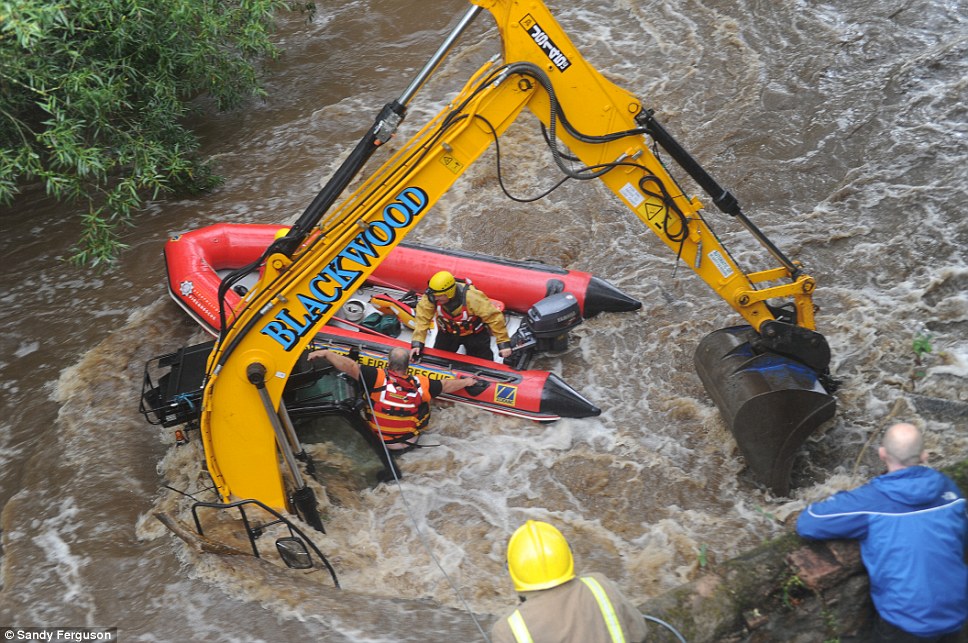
x: 913, y: 531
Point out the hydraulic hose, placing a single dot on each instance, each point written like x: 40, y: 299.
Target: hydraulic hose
x: 722, y: 198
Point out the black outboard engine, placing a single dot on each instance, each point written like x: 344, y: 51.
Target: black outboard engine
x: 545, y: 329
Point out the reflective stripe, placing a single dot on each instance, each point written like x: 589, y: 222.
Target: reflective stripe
x: 608, y: 612
x: 462, y: 322
x: 518, y: 628
x: 398, y: 406
x: 522, y: 635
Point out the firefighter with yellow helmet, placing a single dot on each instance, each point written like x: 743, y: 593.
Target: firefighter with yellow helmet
x: 555, y: 604
x: 463, y: 314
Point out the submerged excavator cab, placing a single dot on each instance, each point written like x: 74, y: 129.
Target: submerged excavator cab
x: 767, y: 377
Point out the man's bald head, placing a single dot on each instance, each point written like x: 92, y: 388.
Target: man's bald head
x: 902, y: 446
x: 399, y: 360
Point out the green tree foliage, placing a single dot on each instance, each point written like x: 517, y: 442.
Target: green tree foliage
x: 93, y: 95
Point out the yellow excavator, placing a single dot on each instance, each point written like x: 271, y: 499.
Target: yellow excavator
x: 769, y: 377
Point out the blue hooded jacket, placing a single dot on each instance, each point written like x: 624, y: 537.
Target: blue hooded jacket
x: 913, y: 531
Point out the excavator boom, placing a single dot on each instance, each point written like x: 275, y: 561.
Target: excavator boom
x: 311, y: 272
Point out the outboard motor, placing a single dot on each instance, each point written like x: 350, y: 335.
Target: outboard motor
x: 545, y: 329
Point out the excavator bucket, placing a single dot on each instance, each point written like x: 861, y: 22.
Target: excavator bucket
x: 770, y: 402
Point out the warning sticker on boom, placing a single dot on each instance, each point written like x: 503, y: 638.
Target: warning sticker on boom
x: 721, y: 264
x: 452, y: 163
x: 633, y: 196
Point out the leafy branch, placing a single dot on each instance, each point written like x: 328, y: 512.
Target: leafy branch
x: 94, y: 94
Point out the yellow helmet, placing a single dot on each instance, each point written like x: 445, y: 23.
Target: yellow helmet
x: 539, y: 557
x: 443, y: 283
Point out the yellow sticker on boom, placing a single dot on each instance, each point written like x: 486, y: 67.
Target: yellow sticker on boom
x: 452, y: 164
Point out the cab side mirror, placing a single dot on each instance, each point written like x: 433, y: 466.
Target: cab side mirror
x: 293, y: 552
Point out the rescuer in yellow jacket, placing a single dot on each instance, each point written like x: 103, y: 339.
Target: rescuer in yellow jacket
x: 556, y: 606
x: 463, y: 315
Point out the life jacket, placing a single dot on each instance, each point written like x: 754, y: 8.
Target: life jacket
x: 461, y: 321
x: 400, y: 405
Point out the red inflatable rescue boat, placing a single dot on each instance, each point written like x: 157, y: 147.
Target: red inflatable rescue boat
x: 530, y: 293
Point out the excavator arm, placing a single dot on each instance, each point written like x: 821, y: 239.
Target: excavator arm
x: 310, y: 273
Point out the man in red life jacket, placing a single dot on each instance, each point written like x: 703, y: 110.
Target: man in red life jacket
x: 463, y: 315
x: 398, y: 404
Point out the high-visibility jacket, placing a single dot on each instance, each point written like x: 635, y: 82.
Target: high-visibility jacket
x: 399, y: 405
x: 587, y: 609
x: 474, y: 313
